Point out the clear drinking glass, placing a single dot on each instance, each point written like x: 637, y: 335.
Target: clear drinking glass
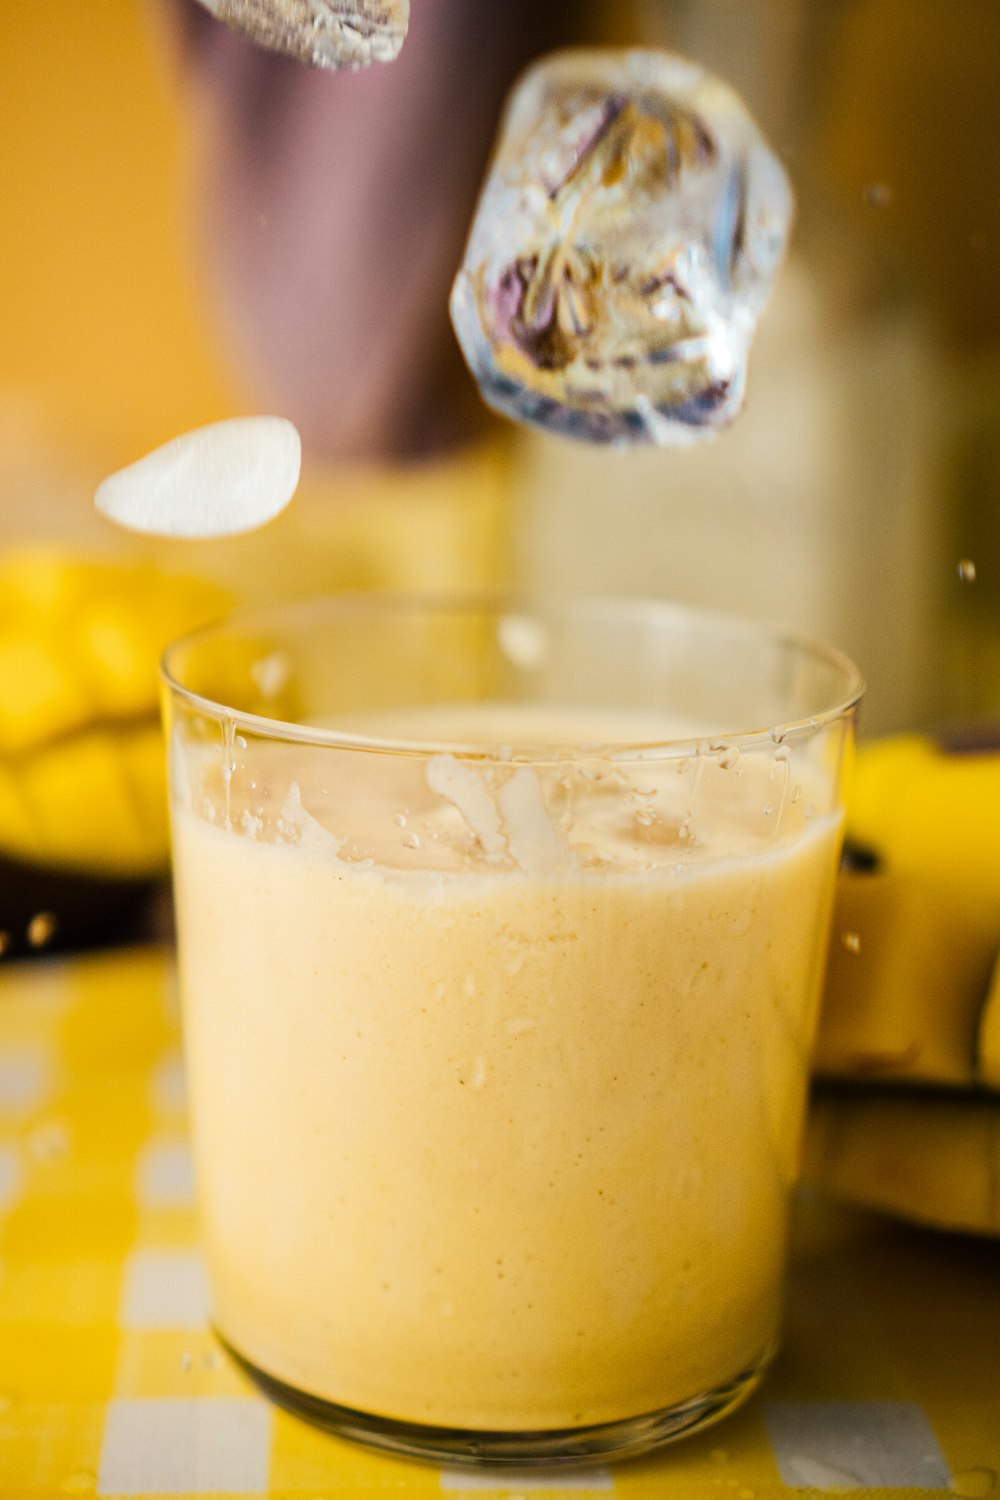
x: 501, y: 926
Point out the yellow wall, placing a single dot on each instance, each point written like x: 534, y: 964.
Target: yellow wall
x: 100, y: 333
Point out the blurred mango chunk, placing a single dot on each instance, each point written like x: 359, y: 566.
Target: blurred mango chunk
x: 81, y: 758
x: 41, y: 695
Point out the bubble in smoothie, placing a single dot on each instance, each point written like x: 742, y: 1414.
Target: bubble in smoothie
x: 219, y: 480
x: 624, y: 246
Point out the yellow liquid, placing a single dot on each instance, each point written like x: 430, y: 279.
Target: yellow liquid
x: 505, y: 1142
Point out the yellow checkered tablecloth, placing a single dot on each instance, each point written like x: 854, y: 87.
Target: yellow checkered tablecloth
x: 110, y: 1382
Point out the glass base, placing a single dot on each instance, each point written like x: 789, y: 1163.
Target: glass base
x: 553, y: 1446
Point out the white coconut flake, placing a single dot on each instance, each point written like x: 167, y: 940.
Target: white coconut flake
x: 219, y: 480
x: 464, y: 789
x: 537, y: 846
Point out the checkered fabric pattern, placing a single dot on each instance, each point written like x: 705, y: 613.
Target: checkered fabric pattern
x: 111, y: 1383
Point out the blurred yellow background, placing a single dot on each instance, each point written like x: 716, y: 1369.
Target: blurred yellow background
x: 102, y: 341
x: 107, y: 348
x: 861, y: 475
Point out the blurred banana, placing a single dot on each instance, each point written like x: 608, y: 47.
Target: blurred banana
x: 904, y: 1118
x: 917, y: 922
x: 933, y: 1158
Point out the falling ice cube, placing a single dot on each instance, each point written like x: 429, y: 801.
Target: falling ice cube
x: 327, y: 33
x: 623, y: 249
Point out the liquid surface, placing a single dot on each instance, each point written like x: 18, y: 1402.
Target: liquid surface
x: 495, y: 1129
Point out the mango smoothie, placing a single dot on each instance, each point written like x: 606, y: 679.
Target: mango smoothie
x: 498, y: 1059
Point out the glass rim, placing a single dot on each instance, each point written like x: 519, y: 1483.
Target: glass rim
x: 514, y: 604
